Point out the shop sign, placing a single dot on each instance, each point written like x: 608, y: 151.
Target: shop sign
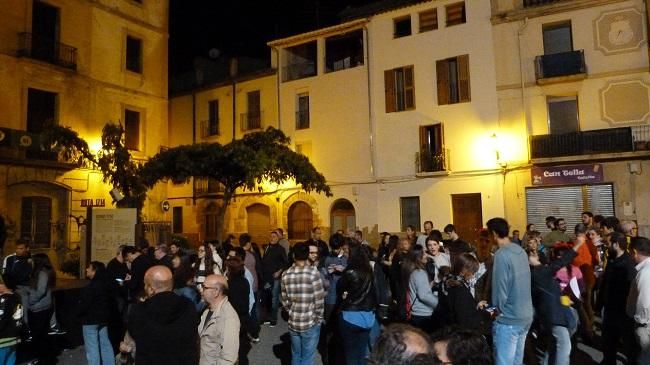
x: 563, y: 175
x: 93, y: 203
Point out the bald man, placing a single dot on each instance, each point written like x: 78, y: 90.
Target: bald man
x: 401, y: 344
x: 219, y: 325
x: 163, y: 326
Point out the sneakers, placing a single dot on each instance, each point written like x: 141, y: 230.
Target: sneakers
x: 56, y: 331
x: 266, y: 322
x: 273, y: 324
x: 254, y: 339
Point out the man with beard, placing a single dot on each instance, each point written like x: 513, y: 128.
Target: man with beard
x: 612, y: 297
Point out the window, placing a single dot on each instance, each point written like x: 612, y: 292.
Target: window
x: 301, y: 221
x: 252, y: 119
x: 41, y: 109
x: 300, y: 61
x: 563, y: 114
x: 302, y: 111
x: 453, y: 80
x: 213, y: 118
x: 35, y: 220
x: 133, y: 54
x: 557, y: 38
x: 410, y: 211
x: 399, y: 89
x: 456, y: 14
x: 132, y: 129
x: 428, y: 20
x: 210, y: 221
x: 45, y: 32
x: 402, y: 27
x: 177, y: 219
x: 432, y: 155
x: 344, y: 51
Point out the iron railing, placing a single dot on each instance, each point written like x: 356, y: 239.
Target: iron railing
x: 207, y: 186
x: 431, y: 162
x: 209, y: 128
x: 597, y: 141
x: 641, y: 137
x: 48, y: 50
x: 250, y: 121
x: 531, y: 3
x: 560, y: 64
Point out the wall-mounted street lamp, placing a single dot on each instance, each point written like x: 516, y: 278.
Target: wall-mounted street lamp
x: 497, y: 150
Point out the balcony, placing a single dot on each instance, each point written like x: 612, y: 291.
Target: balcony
x: 532, y: 3
x: 426, y: 162
x: 565, y: 66
x: 18, y: 147
x: 299, y: 71
x: 48, y: 50
x: 209, y: 128
x: 599, y: 141
x: 204, y: 186
x: 250, y: 121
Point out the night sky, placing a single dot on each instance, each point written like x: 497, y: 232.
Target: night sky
x: 242, y: 27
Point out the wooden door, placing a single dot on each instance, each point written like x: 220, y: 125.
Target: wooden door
x: 300, y: 221
x: 259, y: 223
x: 467, y: 215
x: 343, y: 216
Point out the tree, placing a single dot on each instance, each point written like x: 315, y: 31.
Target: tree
x: 114, y: 160
x: 240, y: 164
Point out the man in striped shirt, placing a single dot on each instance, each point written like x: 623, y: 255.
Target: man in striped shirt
x: 303, y: 297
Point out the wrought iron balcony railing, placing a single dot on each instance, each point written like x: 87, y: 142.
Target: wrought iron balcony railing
x: 641, y: 136
x: 597, y: 141
x: 531, y: 3
x: 429, y: 162
x: 250, y: 121
x: 44, y: 49
x: 560, y: 64
x: 209, y: 128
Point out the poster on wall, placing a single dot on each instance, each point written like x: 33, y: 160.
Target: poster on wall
x: 111, y: 227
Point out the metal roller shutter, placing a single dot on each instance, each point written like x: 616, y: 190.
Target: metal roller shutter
x: 567, y: 202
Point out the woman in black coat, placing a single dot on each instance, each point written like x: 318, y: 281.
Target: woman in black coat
x: 94, y: 313
x: 239, y: 295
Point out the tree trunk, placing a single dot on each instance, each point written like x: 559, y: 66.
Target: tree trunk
x: 227, y: 196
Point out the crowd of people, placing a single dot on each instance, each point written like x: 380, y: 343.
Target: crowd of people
x: 420, y: 298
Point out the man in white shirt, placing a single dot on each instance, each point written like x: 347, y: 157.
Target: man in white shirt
x: 638, y: 301
x: 422, y: 238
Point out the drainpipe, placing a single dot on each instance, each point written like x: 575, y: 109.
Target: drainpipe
x: 193, y: 140
x: 233, y: 75
x: 524, y: 111
x: 370, y: 115
x: 277, y: 85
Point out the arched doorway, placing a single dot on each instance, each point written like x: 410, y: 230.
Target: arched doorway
x: 342, y: 216
x: 259, y: 222
x: 301, y: 221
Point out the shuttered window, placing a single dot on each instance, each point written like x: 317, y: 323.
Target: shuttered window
x: 410, y: 211
x: 132, y: 129
x: 35, y: 220
x: 399, y: 89
x: 177, y: 219
x: 455, y: 14
x: 568, y: 202
x: 428, y: 20
x: 453, y: 80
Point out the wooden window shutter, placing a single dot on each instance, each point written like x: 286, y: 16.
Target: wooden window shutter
x: 428, y: 20
x: 389, y: 90
x: 463, y: 79
x: 455, y: 14
x: 442, y: 76
x: 409, y: 88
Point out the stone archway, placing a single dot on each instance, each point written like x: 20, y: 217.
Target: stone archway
x: 304, y: 197
x: 342, y: 216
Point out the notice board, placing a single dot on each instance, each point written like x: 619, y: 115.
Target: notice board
x: 111, y: 227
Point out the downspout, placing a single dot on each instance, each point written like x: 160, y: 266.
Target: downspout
x: 193, y: 140
x: 277, y: 85
x: 371, y: 129
x: 524, y: 111
x: 233, y: 77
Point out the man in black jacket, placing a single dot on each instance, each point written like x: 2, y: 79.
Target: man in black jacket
x: 273, y: 263
x: 612, y: 297
x: 134, y: 280
x: 163, y: 327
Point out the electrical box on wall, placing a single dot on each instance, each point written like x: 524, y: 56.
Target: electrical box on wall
x: 628, y: 208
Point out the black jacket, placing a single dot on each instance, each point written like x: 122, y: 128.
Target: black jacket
x: 275, y: 259
x: 164, y: 329
x: 8, y: 325
x: 618, y: 276
x: 360, y: 289
x: 238, y: 293
x: 139, y: 267
x: 17, y: 270
x: 95, y: 302
x: 462, y: 308
x: 546, y: 292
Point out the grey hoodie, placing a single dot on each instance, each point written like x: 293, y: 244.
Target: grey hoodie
x: 423, y: 299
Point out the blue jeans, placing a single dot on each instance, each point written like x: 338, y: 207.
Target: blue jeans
x: 509, y: 341
x: 97, y: 345
x: 559, y: 355
x: 304, y: 345
x: 357, y: 341
x: 275, y: 300
x: 8, y: 355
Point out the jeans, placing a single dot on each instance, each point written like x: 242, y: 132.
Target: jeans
x: 304, y: 345
x: 98, y: 346
x: 560, y: 348
x: 509, y: 341
x: 275, y: 300
x: 357, y: 341
x: 8, y: 355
